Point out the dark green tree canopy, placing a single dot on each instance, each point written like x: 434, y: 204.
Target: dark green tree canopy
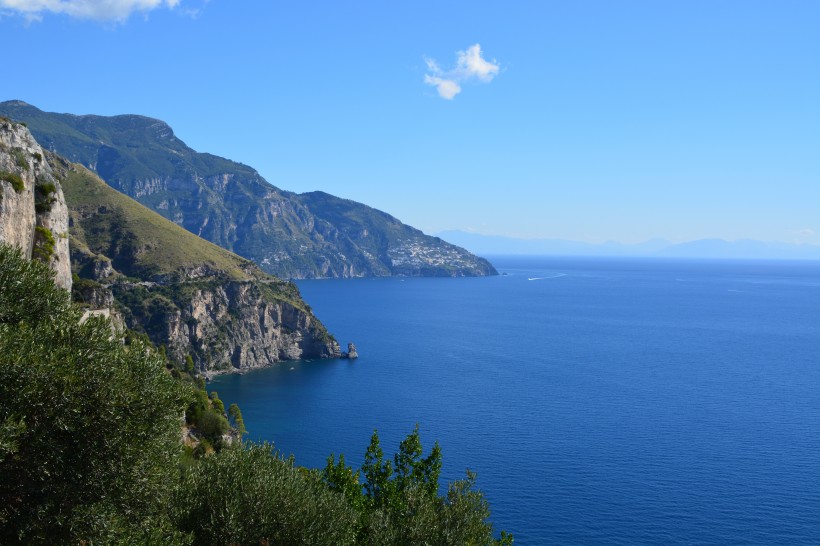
x: 89, y: 428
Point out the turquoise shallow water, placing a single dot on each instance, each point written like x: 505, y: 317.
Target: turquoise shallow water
x: 599, y: 401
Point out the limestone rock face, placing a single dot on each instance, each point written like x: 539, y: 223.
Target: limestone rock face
x: 351, y: 352
x: 234, y: 326
x: 54, y: 219
x: 33, y: 211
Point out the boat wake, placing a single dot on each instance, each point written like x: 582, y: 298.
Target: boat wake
x: 555, y: 276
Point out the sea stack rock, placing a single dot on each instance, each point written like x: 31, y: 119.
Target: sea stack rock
x: 351, y: 352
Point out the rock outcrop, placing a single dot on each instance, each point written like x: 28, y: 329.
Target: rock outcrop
x: 351, y: 352
x: 33, y: 211
x: 227, y: 326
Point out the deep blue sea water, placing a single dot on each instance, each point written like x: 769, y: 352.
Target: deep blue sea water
x: 599, y: 401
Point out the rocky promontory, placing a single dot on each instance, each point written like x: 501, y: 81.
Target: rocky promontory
x: 123, y: 261
x: 186, y: 294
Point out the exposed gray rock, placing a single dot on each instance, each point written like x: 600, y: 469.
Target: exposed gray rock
x: 351, y: 352
x: 33, y: 212
x: 233, y: 326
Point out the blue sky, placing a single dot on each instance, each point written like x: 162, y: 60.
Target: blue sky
x: 589, y: 121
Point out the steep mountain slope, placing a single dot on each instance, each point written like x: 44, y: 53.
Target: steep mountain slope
x: 33, y: 213
x: 185, y: 293
x: 231, y: 205
x: 364, y: 232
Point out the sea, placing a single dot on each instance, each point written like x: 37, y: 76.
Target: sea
x: 599, y: 401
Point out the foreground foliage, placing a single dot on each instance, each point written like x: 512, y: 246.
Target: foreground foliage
x: 89, y: 429
x: 399, y: 504
x: 91, y: 451
x: 250, y: 496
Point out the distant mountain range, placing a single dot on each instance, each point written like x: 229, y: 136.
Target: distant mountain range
x: 230, y: 204
x: 702, y: 248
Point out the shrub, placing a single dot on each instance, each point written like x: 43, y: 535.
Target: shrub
x: 43, y: 244
x: 43, y: 196
x: 20, y: 159
x: 212, y: 426
x: 46, y: 188
x: 197, y: 406
x: 13, y: 179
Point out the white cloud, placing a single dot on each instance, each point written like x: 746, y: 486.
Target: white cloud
x: 447, y: 89
x: 101, y: 10
x: 470, y: 65
x: 807, y: 232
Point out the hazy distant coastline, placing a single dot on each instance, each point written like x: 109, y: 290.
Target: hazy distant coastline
x: 701, y: 248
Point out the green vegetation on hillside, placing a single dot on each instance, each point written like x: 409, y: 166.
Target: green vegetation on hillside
x: 91, y: 451
x: 43, y: 244
x: 44, y: 196
x: 14, y: 179
x: 157, y: 274
x: 89, y: 429
x: 140, y: 242
x: 20, y: 158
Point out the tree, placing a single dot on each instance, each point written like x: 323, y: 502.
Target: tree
x: 217, y: 404
x: 250, y: 495
x: 89, y: 428
x: 377, y: 473
x: 412, y: 470
x: 340, y: 477
x: 402, y: 504
x: 189, y: 365
x: 236, y: 419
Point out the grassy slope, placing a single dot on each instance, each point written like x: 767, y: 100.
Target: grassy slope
x: 143, y: 245
x: 160, y: 246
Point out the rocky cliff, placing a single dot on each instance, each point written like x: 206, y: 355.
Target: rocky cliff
x: 185, y: 293
x: 33, y: 212
x: 227, y: 326
x: 230, y: 204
